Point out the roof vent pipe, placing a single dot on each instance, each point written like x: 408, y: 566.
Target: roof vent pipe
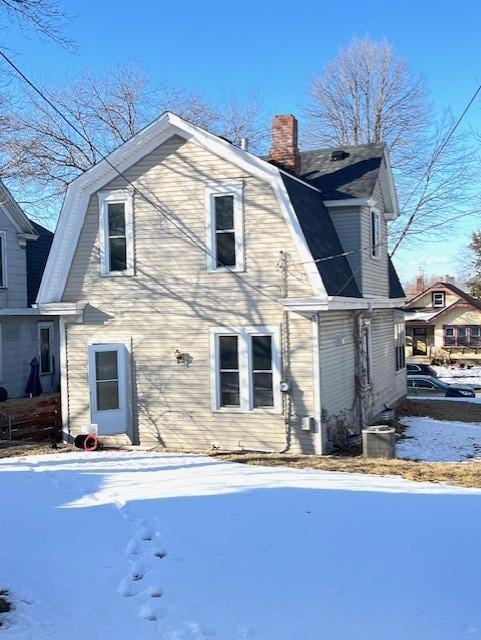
x: 244, y: 144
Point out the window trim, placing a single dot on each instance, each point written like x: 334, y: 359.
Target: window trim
x: 3, y: 240
x: 443, y: 302
x: 116, y: 196
x: 49, y: 326
x: 246, y: 391
x: 225, y: 188
x: 367, y: 351
x: 375, y: 233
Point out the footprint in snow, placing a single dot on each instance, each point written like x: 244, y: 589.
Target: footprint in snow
x: 133, y: 547
x: 148, y: 613
x: 160, y: 553
x: 136, y: 571
x: 154, y: 592
x: 146, y: 533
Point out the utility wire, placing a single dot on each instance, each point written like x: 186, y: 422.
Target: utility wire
x: 435, y: 157
x: 153, y: 204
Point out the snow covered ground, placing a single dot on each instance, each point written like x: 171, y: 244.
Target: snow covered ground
x: 455, y: 375
x: 439, y: 440
x: 178, y: 547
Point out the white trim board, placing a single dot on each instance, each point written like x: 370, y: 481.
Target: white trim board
x: 74, y: 207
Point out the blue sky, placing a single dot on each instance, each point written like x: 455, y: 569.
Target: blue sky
x: 272, y: 49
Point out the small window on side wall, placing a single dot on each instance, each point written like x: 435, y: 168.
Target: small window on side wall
x: 3, y: 259
x: 45, y: 350
x: 225, y: 234
x: 116, y: 232
x: 375, y: 233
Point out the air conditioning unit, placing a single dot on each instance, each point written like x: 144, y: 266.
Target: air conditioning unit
x: 379, y: 442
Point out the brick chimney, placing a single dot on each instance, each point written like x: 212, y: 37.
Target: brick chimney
x: 420, y: 283
x: 284, y: 150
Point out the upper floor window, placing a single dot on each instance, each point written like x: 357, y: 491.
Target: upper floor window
x: 225, y: 233
x: 438, y: 299
x: 3, y: 259
x: 375, y: 233
x: 245, y: 369
x: 116, y: 232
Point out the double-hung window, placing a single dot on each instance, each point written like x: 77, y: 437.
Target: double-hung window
x: 399, y: 343
x: 116, y: 232
x: 366, y: 351
x: 3, y: 259
x: 45, y: 349
x: 438, y: 299
x: 225, y: 233
x: 245, y: 369
x: 375, y: 233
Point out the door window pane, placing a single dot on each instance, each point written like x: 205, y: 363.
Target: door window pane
x: 107, y: 395
x: 106, y: 365
x: 262, y: 371
x: 229, y: 371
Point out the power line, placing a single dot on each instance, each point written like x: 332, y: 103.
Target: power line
x: 153, y: 204
x: 435, y: 157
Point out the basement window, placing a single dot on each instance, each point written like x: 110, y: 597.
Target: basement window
x: 245, y: 369
x: 116, y: 232
x: 225, y: 237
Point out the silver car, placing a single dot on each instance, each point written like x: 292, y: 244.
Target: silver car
x: 426, y: 386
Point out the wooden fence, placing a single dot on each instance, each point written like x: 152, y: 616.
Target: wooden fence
x: 31, y: 418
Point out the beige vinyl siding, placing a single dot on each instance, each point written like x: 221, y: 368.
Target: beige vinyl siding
x: 389, y: 385
x: 15, y: 294
x: 348, y: 226
x: 338, y: 349
x: 173, y: 301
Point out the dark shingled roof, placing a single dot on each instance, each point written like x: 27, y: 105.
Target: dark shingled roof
x: 321, y: 238
x: 37, y: 254
x: 352, y: 177
x: 395, y: 287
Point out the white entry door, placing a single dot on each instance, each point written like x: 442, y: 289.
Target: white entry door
x: 108, y: 383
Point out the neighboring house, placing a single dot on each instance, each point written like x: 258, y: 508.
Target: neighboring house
x: 24, y: 332
x: 443, y: 322
x: 208, y: 297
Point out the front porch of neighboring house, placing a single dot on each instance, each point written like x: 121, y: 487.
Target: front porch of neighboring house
x: 446, y: 343
x: 420, y: 341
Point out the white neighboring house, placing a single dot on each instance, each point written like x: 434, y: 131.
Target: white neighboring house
x: 24, y: 332
x: 212, y: 298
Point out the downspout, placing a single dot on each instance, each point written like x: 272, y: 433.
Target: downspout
x: 321, y: 440
x: 360, y: 371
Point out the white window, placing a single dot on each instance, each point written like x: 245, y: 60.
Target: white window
x: 366, y: 351
x: 438, y: 298
x: 245, y: 369
x: 3, y: 259
x: 225, y: 233
x: 399, y: 344
x: 116, y: 232
x: 45, y: 349
x: 375, y: 233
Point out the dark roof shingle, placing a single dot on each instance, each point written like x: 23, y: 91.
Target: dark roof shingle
x: 355, y: 176
x: 37, y: 254
x: 322, y: 239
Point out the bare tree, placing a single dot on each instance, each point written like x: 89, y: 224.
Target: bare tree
x: 368, y: 94
x: 44, y: 17
x: 42, y: 153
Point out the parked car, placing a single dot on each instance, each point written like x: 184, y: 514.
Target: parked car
x: 428, y: 386
x: 420, y: 369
